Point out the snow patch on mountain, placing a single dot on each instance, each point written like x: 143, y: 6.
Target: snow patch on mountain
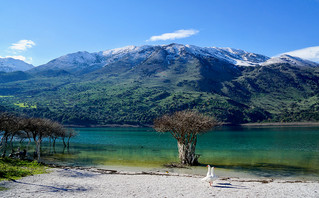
x: 135, y: 54
x: 287, y: 59
x: 72, y: 62
x: 11, y: 64
x: 78, y: 57
x: 131, y: 56
x: 231, y: 55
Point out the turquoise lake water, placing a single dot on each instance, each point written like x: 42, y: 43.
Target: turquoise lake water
x: 262, y: 152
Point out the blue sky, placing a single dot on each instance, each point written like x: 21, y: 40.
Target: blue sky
x: 39, y: 31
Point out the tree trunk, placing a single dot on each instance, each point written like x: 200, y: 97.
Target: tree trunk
x: 38, y: 148
x: 38, y: 145
x: 69, y: 142
x: 4, y: 146
x: 28, y: 143
x: 21, y: 140
x: 186, y: 153
x: 54, y: 139
x: 11, y: 144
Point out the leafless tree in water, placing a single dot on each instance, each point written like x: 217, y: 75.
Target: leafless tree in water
x: 38, y: 129
x: 184, y: 127
x: 70, y: 133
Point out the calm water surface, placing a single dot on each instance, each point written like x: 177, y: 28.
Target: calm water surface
x: 267, y: 152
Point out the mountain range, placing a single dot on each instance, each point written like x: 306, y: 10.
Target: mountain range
x: 135, y: 84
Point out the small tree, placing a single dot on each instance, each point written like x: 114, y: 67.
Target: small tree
x: 57, y: 130
x: 10, y: 125
x: 70, y: 133
x: 38, y: 128
x: 185, y: 126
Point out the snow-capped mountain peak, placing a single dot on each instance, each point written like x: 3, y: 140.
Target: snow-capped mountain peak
x: 78, y: 57
x: 174, y: 48
x: 292, y: 60
x: 119, y: 50
x: 132, y: 56
x: 231, y: 55
x: 125, y: 50
x: 11, y: 64
x: 134, y: 53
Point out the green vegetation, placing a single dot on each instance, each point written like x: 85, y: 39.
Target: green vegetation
x: 25, y: 105
x: 117, y: 95
x: 15, y: 168
x: 3, y: 188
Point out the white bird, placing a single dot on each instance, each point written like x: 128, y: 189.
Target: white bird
x: 210, y: 177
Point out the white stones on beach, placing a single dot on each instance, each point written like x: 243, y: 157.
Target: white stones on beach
x: 84, y: 183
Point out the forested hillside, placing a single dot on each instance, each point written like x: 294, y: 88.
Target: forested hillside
x: 134, y: 87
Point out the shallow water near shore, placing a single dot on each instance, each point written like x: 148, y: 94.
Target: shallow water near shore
x: 276, y: 152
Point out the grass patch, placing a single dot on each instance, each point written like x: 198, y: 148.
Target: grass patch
x: 6, y: 96
x: 25, y: 105
x: 3, y: 188
x: 15, y: 169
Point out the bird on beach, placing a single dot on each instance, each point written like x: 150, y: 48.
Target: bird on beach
x: 210, y: 177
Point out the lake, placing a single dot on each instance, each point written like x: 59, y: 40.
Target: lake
x: 278, y: 152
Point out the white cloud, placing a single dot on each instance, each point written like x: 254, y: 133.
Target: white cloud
x: 22, y: 45
x: 174, y: 35
x: 28, y: 60
x: 15, y: 57
x: 309, y: 53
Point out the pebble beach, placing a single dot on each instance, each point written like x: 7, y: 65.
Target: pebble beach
x: 73, y: 182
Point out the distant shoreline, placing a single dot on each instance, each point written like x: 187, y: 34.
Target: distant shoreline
x: 106, y: 125
x: 280, y: 124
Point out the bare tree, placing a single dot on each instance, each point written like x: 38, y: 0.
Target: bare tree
x: 57, y: 130
x: 70, y: 133
x: 63, y: 135
x: 184, y: 127
x: 38, y: 128
x: 31, y: 128
x: 10, y: 125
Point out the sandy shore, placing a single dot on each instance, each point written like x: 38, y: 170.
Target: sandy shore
x: 98, y: 183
